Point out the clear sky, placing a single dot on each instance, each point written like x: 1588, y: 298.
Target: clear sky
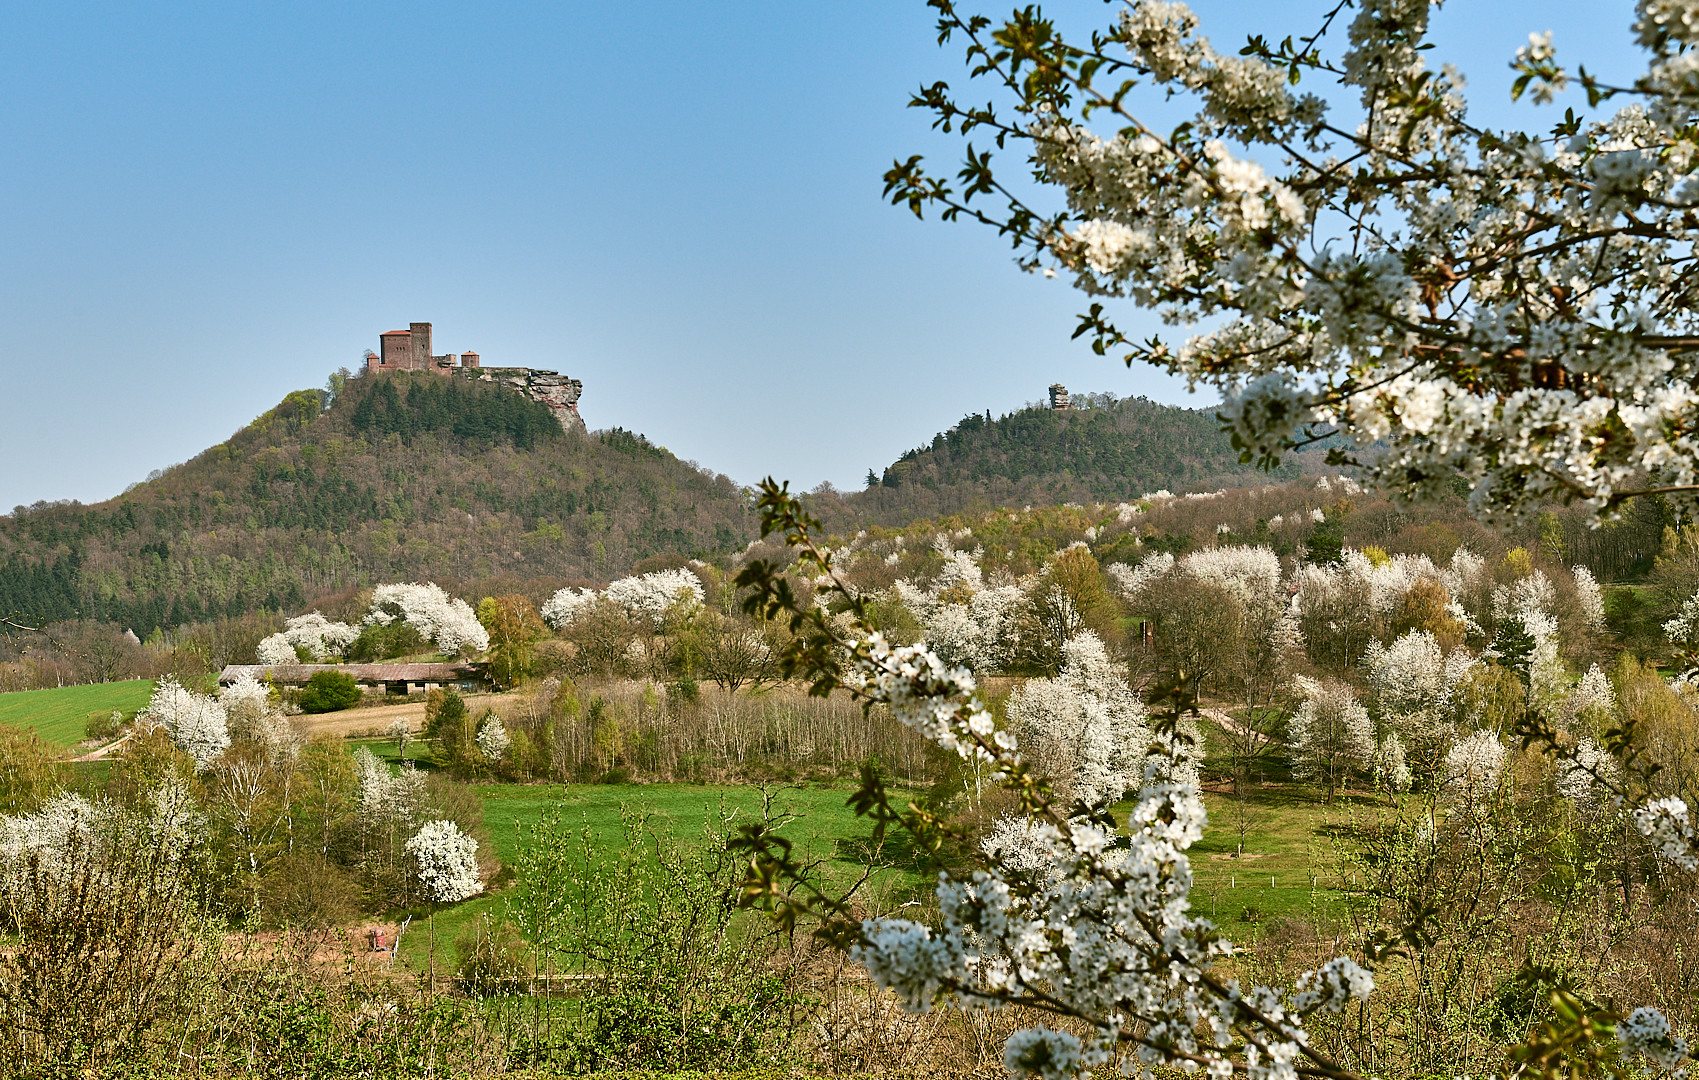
x: 203, y: 207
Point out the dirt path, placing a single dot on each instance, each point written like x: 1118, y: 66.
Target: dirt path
x: 96, y: 755
x: 1223, y: 720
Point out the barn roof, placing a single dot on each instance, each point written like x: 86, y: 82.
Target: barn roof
x: 364, y: 673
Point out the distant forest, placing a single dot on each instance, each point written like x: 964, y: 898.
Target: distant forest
x: 401, y: 477
x: 1103, y: 450
x: 411, y: 476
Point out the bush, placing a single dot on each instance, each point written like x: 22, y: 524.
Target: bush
x: 330, y: 691
x: 494, y: 958
x: 103, y: 725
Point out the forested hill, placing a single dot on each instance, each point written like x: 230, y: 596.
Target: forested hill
x: 403, y: 477
x: 1108, y: 450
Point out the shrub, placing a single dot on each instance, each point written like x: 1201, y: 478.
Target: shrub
x: 329, y: 691
x: 494, y: 958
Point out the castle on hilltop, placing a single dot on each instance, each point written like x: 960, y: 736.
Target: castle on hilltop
x: 410, y: 350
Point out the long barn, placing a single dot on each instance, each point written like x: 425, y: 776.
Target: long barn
x: 394, y: 678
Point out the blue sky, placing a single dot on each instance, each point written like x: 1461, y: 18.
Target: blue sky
x: 203, y: 207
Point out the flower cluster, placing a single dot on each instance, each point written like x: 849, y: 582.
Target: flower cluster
x: 250, y: 713
x: 313, y: 634
x: 964, y: 620
x: 1472, y: 770
x: 1666, y: 823
x: 447, y: 622
x: 493, y: 739
x: 387, y: 798
x: 1330, y: 727
x: 1520, y: 319
x: 1646, y: 1033
x: 1084, y: 729
x: 196, y: 723
x: 57, y: 843
x: 445, y: 862
x: 645, y: 597
x: 1098, y: 923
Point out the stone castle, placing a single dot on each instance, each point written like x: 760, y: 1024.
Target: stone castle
x: 410, y: 350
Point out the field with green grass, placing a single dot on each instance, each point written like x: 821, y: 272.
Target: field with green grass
x: 61, y: 715
x: 820, y: 823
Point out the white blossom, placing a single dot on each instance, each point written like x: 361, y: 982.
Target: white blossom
x: 1589, y: 597
x: 1665, y: 822
x: 445, y: 862
x: 1472, y: 770
x: 1041, y: 1052
x: 383, y: 797
x: 321, y: 638
x: 1683, y: 630
x: 1646, y: 1033
x: 648, y: 596
x: 196, y: 723
x: 447, y: 622
x: 964, y: 620
x: 1579, y: 779
x: 1085, y: 728
x: 1330, y: 728
x: 566, y: 605
x: 1390, y: 768
x: 493, y: 739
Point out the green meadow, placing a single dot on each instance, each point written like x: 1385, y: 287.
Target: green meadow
x: 61, y: 715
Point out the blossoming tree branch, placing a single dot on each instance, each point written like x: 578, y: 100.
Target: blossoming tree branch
x: 1515, y: 308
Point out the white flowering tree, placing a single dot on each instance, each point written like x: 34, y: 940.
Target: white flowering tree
x: 1330, y: 732
x: 1526, y: 605
x: 493, y: 739
x: 964, y: 619
x: 445, y: 862
x: 1085, y: 919
x: 1413, y: 682
x: 1683, y: 633
x: 566, y: 605
x: 445, y: 869
x: 445, y: 621
x: 196, y: 723
x: 647, y: 597
x: 1472, y: 770
x: 1085, y: 730
x: 311, y: 636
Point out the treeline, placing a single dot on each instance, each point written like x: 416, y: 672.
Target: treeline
x: 1103, y: 449
x: 400, y: 477
x: 480, y: 414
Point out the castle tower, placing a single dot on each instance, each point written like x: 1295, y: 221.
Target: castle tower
x: 420, y: 332
x: 470, y: 360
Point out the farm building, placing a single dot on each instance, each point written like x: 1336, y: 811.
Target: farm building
x: 394, y: 678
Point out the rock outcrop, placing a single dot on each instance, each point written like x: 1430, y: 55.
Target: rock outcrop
x: 559, y: 393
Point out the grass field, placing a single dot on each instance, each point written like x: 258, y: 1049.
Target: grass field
x: 823, y: 825
x: 61, y: 716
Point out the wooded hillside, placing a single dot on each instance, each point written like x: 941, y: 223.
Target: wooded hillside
x: 402, y: 477
x: 1104, y: 450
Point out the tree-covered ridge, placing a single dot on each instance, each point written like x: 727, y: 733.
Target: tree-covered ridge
x: 477, y: 412
x: 1111, y: 449
x: 400, y: 478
